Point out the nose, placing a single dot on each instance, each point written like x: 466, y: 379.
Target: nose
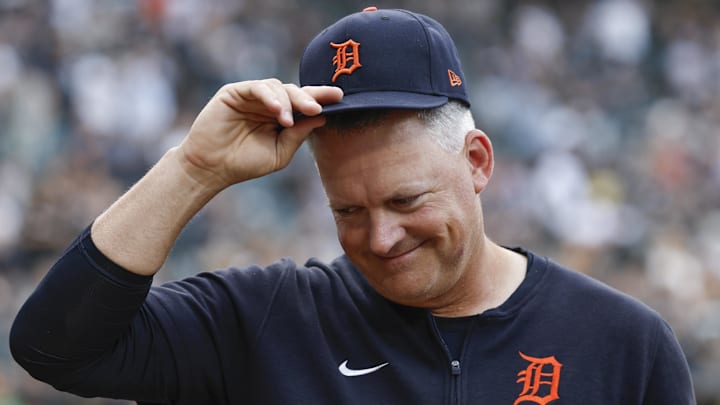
x: 386, y: 233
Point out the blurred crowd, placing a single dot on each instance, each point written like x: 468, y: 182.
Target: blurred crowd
x: 605, y: 116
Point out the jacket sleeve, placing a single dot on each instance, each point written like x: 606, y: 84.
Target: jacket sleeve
x: 68, y: 331
x: 670, y: 380
x: 95, y: 329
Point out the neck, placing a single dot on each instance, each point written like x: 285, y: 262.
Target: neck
x: 489, y: 284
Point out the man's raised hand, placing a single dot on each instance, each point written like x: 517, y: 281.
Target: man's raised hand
x: 247, y: 130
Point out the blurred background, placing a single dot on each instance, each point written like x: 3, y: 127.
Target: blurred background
x: 605, y: 116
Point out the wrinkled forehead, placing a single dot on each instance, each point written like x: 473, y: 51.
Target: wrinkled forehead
x: 399, y: 142
x: 372, y: 167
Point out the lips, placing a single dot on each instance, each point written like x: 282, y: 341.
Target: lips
x: 399, y: 261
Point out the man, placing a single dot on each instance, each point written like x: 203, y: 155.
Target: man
x: 423, y: 308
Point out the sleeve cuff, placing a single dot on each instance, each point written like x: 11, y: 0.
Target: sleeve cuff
x: 108, y: 268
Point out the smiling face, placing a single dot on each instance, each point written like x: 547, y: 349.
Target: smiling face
x: 407, y: 212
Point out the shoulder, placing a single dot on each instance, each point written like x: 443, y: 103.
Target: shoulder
x: 253, y: 292
x: 605, y: 334
x: 578, y: 295
x: 284, y: 275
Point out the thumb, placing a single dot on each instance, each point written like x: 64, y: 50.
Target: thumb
x: 290, y: 139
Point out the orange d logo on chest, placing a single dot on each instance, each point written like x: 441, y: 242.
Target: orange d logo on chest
x: 346, y: 59
x: 540, y: 380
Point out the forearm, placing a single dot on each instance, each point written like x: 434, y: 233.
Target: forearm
x: 234, y: 138
x: 139, y: 229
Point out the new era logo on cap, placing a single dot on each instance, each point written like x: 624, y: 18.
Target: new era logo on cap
x: 455, y: 80
x: 385, y: 59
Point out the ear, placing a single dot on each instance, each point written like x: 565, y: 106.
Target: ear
x: 479, y: 154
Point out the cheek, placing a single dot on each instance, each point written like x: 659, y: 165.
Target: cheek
x: 428, y: 222
x: 440, y: 214
x: 350, y: 237
x: 451, y: 220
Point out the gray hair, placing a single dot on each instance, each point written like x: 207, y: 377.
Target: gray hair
x: 447, y: 124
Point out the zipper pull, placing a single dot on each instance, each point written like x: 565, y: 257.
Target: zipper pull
x: 455, y: 367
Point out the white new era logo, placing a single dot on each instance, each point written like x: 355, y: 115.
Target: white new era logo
x: 348, y: 372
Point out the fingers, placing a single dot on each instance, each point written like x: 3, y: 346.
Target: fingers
x: 294, y: 136
x: 324, y: 94
x: 279, y: 101
x: 309, y: 100
x: 271, y: 96
x: 301, y: 101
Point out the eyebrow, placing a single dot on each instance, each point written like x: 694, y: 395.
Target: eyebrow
x: 403, y: 191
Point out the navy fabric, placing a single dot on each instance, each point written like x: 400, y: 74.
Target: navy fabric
x: 397, y: 58
x: 454, y: 331
x: 277, y: 335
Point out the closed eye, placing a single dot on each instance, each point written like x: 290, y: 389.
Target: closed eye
x: 405, y: 202
x: 344, y: 211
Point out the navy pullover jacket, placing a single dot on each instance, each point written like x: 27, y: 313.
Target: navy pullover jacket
x: 319, y: 334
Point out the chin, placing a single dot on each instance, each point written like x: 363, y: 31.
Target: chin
x: 406, y: 289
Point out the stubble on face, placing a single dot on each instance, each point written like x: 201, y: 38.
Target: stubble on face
x: 428, y: 249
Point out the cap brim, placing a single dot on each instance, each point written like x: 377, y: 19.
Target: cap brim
x: 385, y: 100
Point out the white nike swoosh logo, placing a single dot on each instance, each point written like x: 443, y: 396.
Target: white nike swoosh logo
x: 348, y: 372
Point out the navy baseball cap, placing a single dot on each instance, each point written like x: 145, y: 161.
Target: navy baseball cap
x: 393, y: 59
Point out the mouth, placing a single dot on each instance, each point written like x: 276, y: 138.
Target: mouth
x: 400, y: 259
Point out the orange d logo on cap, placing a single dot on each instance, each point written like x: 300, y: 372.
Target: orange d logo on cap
x: 346, y: 59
